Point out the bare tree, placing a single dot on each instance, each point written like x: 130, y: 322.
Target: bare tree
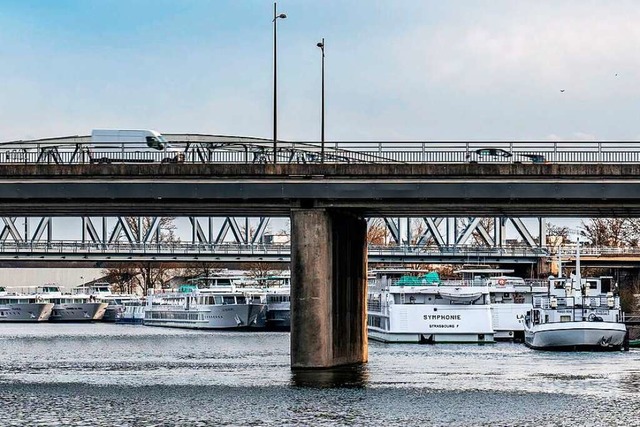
x: 417, y: 232
x: 259, y: 269
x: 610, y: 232
x: 202, y: 269
x: 377, y: 232
x: 148, y: 275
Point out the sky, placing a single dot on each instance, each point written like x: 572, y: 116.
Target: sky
x: 396, y: 70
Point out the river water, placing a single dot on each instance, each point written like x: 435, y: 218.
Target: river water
x: 115, y: 375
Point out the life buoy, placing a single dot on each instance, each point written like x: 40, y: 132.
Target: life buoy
x: 502, y: 282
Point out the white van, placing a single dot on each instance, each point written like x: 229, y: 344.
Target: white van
x: 118, y: 145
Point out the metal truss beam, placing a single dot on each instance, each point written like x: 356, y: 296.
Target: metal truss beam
x: 10, y: 231
x: 457, y: 231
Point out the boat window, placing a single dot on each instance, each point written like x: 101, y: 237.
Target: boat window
x: 228, y: 300
x: 242, y: 300
x: 565, y: 318
x: 219, y: 299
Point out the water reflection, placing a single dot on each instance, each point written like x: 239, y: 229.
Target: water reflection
x: 352, y: 376
x: 631, y: 382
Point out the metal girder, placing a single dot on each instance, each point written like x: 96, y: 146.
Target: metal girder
x: 457, y: 231
x: 10, y: 231
x: 432, y: 231
x: 244, y: 234
x: 45, y: 224
x: 121, y: 228
x: 474, y: 225
x: 393, y: 228
x: 524, y: 233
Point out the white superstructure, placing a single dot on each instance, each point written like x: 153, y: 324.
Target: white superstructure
x: 408, y: 306
x: 511, y: 298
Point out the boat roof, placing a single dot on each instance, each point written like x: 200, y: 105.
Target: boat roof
x: 485, y: 270
x: 397, y: 270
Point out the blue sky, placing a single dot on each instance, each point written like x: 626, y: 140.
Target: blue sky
x: 395, y: 69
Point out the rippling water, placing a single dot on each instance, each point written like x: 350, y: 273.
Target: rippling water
x: 105, y: 374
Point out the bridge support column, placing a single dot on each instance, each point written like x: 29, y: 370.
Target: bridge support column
x: 328, y: 288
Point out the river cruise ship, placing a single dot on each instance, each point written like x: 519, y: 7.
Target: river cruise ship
x: 276, y: 291
x: 77, y: 307
x: 411, y: 306
x: 101, y: 292
x: 23, y: 308
x: 209, y: 303
x: 576, y: 314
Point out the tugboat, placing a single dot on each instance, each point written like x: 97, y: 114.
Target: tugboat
x: 576, y: 314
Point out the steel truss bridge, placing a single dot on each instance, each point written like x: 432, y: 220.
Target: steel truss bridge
x: 199, y: 148
x: 250, y: 239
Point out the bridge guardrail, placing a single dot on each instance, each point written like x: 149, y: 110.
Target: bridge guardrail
x: 78, y: 150
x: 62, y: 247
x: 186, y: 248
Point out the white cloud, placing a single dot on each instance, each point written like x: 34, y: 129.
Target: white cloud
x: 578, y: 47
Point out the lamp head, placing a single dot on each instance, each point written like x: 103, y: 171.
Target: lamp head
x: 320, y: 45
x: 282, y: 16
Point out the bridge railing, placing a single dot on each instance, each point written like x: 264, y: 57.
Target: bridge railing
x: 79, y: 150
x: 74, y: 247
x: 570, y: 250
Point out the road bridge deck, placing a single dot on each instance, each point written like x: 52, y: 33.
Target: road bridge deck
x: 370, y: 189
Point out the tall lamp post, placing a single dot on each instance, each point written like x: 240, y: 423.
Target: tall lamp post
x: 275, y: 81
x: 321, y: 46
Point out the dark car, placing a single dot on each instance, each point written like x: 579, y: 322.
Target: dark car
x: 498, y: 154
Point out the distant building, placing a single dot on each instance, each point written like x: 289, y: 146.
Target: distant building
x: 277, y: 239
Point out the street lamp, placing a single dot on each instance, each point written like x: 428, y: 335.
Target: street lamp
x: 321, y: 46
x: 275, y: 81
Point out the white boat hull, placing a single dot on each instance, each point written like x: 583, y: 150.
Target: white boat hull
x: 81, y: 312
x: 580, y: 335
x: 133, y: 315
x: 30, y: 312
x: 421, y: 323
x: 508, y: 320
x: 380, y: 335
x: 233, y: 316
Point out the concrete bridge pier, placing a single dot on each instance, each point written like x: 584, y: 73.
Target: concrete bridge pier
x: 328, y: 288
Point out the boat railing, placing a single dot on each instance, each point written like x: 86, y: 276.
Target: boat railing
x: 598, y: 301
x: 374, y: 305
